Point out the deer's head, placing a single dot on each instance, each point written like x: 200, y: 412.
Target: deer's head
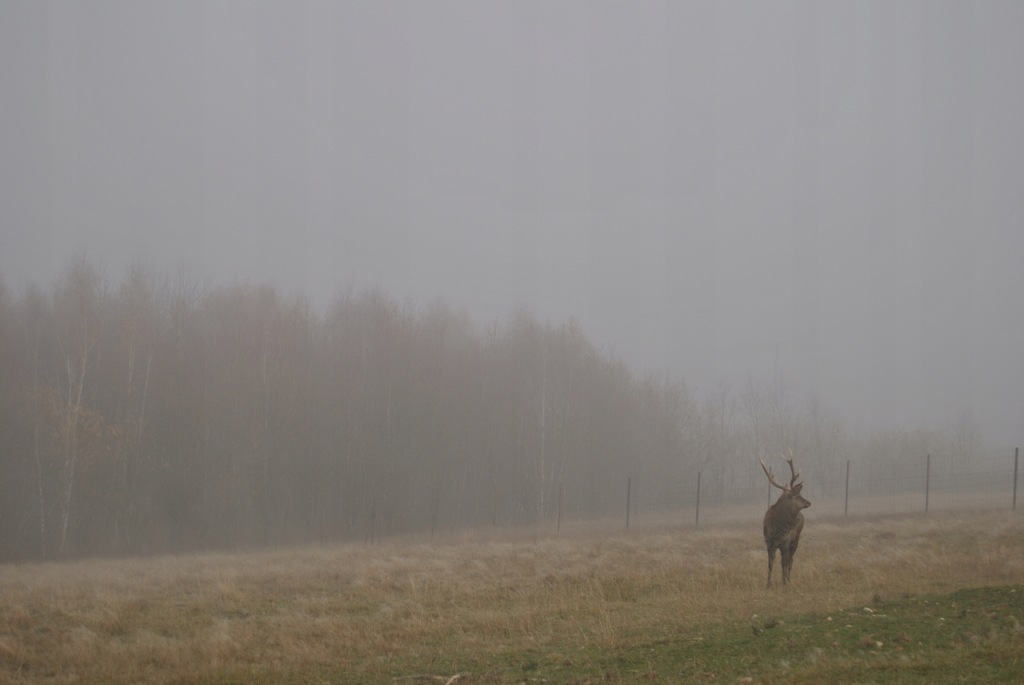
x: 790, y: 493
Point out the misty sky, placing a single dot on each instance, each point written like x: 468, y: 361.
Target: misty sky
x: 830, y: 192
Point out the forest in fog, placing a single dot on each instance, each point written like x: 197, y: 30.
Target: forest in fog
x: 158, y: 414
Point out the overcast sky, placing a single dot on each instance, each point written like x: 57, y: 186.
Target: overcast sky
x: 830, y: 192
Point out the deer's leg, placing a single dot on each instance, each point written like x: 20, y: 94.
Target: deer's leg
x: 792, y: 548
x: 771, y: 562
x: 787, y: 559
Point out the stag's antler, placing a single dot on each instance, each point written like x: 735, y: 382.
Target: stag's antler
x: 771, y: 477
x: 792, y: 469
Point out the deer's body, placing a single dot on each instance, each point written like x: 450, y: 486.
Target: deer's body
x: 783, y: 522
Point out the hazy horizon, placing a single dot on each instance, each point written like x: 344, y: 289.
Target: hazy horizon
x: 826, y: 193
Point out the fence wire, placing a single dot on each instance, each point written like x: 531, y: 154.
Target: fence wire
x: 990, y: 480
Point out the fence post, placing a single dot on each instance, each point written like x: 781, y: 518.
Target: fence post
x: 371, y: 534
x: 846, y: 498
x: 1016, y: 455
x: 558, y: 526
x: 629, y: 492
x: 494, y: 505
x: 927, y: 479
x: 696, y: 523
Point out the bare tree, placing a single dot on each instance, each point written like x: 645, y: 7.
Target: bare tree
x: 966, y: 434
x: 78, y: 301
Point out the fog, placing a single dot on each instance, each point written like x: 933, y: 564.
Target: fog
x: 824, y: 193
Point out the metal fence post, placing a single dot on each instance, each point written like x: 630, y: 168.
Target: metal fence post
x: 629, y: 492
x: 696, y: 522
x: 558, y: 526
x: 846, y: 497
x: 1016, y: 455
x: 927, y: 478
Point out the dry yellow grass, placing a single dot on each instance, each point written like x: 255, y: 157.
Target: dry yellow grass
x: 370, y: 613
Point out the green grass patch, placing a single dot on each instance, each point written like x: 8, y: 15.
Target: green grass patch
x: 970, y: 636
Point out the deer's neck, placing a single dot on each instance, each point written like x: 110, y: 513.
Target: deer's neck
x: 787, y: 509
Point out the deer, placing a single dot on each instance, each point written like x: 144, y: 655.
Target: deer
x: 783, y: 521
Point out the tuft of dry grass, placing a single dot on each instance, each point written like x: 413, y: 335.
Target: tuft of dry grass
x: 372, y: 613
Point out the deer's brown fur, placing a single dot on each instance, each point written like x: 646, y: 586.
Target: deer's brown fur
x: 783, y: 521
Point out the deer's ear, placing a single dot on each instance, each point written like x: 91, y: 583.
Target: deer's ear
x: 797, y: 488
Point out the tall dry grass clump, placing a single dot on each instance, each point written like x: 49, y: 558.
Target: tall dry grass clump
x: 369, y: 613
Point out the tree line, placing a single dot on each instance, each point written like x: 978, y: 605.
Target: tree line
x: 155, y: 416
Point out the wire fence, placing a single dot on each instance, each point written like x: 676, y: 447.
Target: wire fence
x: 987, y: 481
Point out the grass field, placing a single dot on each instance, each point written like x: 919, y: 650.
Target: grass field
x: 928, y: 599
